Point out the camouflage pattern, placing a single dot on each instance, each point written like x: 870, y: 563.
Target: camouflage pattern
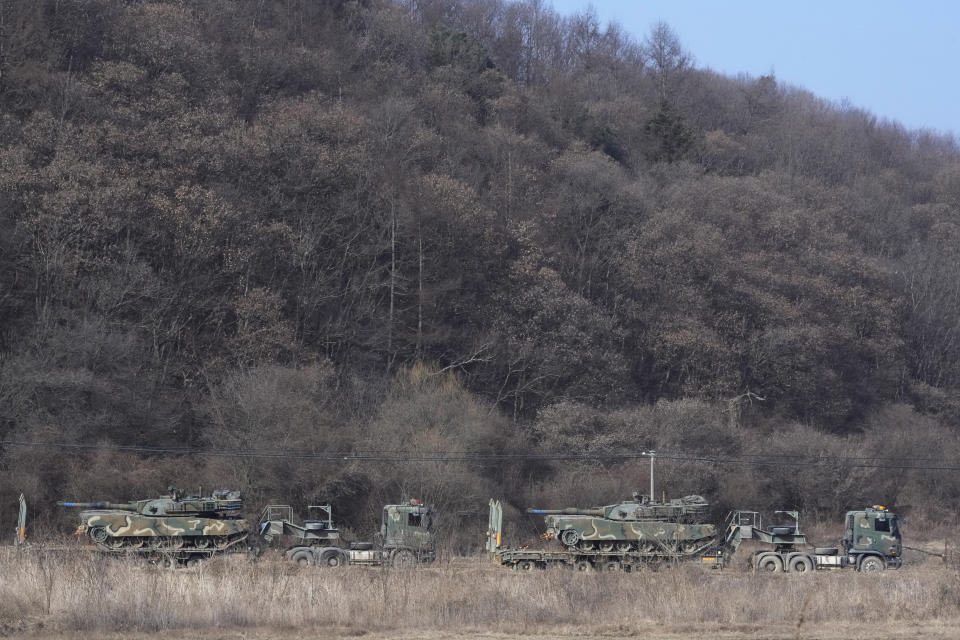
x: 674, y: 527
x: 409, y: 527
x: 171, y: 523
x: 407, y: 538
x: 873, y: 530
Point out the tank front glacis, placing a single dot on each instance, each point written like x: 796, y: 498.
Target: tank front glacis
x: 168, y: 523
x: 410, y: 526
x: 873, y: 530
x: 633, y: 526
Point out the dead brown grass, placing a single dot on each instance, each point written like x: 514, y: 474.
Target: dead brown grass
x: 80, y: 593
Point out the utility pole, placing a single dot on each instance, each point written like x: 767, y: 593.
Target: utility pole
x: 652, y: 455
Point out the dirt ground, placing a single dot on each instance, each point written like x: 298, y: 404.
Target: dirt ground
x: 940, y: 630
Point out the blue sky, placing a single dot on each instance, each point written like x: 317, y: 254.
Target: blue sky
x: 899, y: 60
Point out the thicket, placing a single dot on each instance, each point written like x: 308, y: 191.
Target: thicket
x: 456, y: 226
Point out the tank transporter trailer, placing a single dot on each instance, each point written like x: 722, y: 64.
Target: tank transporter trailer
x: 638, y: 533
x: 406, y: 537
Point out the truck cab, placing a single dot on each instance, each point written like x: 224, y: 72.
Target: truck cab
x: 408, y: 529
x: 873, y: 532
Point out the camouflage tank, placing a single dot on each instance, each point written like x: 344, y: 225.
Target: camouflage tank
x: 181, y: 525
x: 671, y: 528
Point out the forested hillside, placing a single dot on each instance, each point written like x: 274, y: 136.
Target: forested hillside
x: 468, y: 226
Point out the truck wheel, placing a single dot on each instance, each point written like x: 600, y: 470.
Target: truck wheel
x: 302, y: 558
x: 526, y: 565
x: 404, y: 559
x: 332, y: 559
x: 612, y: 567
x: 871, y: 564
x: 771, y: 564
x: 801, y: 564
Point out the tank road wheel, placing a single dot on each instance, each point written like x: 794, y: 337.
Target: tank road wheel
x: 526, y: 565
x: 98, y: 535
x: 770, y: 564
x: 201, y: 542
x: 221, y: 542
x: 404, y: 559
x: 583, y: 566
x: 586, y: 545
x: 154, y: 542
x: 689, y: 547
x: 801, y: 564
x: 570, y: 537
x: 302, y: 558
x: 606, y: 546
x: 174, y: 542
x: 624, y: 546
x: 647, y: 546
x: 116, y: 543
x: 871, y: 564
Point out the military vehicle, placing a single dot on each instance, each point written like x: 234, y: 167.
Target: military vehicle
x: 624, y: 535
x: 638, y: 526
x: 871, y: 542
x: 183, y: 528
x: 406, y: 537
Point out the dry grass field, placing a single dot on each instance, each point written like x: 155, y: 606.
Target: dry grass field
x: 48, y: 594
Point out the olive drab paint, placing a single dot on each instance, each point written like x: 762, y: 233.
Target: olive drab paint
x: 410, y: 526
x: 875, y: 529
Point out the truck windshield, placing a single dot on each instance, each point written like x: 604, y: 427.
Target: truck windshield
x: 881, y: 525
x: 421, y: 519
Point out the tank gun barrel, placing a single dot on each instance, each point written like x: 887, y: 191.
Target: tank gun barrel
x: 129, y: 506
x: 570, y: 511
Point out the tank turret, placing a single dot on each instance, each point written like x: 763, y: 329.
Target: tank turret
x: 173, y: 523
x: 639, y: 525
x: 221, y: 504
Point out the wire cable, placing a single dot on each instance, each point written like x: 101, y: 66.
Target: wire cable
x: 750, y: 460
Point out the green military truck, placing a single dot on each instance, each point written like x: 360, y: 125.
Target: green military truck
x: 871, y: 542
x: 406, y: 537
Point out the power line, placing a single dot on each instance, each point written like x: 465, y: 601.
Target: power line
x: 756, y: 460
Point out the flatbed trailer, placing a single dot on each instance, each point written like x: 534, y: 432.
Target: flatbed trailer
x: 532, y: 559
